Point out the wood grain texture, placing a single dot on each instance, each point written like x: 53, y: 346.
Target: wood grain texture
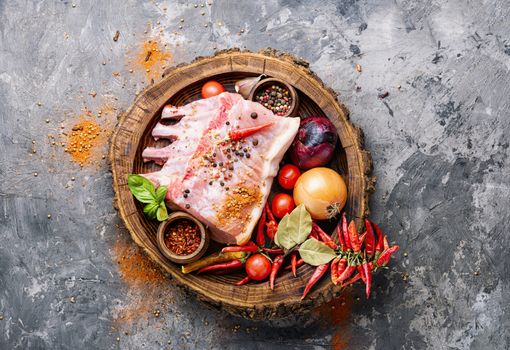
x: 181, y: 85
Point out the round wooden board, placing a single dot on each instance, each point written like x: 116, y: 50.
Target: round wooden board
x: 181, y: 85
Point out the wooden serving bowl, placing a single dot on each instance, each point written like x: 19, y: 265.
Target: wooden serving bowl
x: 182, y: 259
x: 181, y: 85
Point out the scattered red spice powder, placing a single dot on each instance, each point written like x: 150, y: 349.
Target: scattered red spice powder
x: 337, y: 313
x: 151, y: 58
x: 182, y: 237
x: 147, y: 286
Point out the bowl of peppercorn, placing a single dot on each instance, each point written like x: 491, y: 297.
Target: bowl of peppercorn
x: 182, y: 238
x: 276, y: 95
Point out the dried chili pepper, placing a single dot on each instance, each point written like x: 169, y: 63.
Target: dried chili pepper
x: 380, y: 238
x: 384, y: 258
x: 213, y: 259
x: 293, y: 263
x: 352, y: 280
x: 277, y: 263
x: 369, y: 239
x: 238, y: 134
x: 334, y: 270
x: 362, y: 238
x: 223, y: 266
x: 324, y: 236
x: 243, y: 281
x: 347, y: 273
x: 314, y: 234
x: 273, y: 250
x: 272, y: 225
x: 316, y: 276
x: 340, y: 235
x: 353, y: 236
x: 250, y: 247
x: 360, y: 270
x: 345, y: 232
x: 298, y: 264
x: 368, y: 278
x: 386, y: 245
x: 260, y: 238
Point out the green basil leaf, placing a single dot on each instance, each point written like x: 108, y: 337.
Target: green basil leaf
x: 151, y: 210
x: 141, y: 188
x: 161, y: 193
x: 316, y: 253
x: 162, y: 213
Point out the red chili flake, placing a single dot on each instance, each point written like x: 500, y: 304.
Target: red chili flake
x: 182, y: 237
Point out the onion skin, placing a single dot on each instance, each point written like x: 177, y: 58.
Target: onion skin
x: 314, y: 144
x: 322, y: 191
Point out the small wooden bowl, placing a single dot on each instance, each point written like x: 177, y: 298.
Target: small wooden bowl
x: 273, y: 81
x: 182, y: 259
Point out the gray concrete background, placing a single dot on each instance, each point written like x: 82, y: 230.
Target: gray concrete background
x: 439, y: 144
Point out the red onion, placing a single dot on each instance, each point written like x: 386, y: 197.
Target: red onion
x: 314, y: 144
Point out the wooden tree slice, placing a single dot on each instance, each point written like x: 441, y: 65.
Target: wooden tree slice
x: 181, y: 85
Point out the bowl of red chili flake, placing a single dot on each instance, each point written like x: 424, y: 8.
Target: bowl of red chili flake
x: 182, y: 238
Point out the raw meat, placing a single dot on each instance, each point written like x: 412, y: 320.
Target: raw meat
x: 222, y: 182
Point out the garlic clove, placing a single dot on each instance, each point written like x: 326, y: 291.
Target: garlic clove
x: 244, y: 86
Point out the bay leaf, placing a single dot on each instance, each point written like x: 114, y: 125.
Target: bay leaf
x: 316, y: 253
x: 294, y: 228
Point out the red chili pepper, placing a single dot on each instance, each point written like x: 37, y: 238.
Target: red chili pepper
x: 360, y: 270
x: 316, y: 276
x: 345, y: 232
x: 362, y: 238
x: 272, y: 225
x: 314, y: 234
x: 298, y: 264
x: 340, y: 237
x: 353, y: 236
x: 243, y: 281
x: 273, y: 250
x: 379, y: 244
x: 352, y: 280
x: 261, y: 239
x: 223, y: 266
x: 346, y: 274
x: 341, y: 266
x: 384, y: 258
x: 277, y: 263
x: 369, y: 239
x: 293, y: 263
x: 238, y: 134
x: 250, y: 247
x: 334, y: 270
x: 368, y: 278
x: 386, y: 245
x: 324, y: 236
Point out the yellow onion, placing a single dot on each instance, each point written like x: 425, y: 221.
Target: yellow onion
x: 322, y: 191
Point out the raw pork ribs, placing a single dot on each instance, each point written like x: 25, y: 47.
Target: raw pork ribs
x: 212, y: 172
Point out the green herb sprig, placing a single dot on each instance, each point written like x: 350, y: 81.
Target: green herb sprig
x: 154, y: 199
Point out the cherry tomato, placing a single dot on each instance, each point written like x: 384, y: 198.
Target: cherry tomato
x: 212, y: 88
x: 282, y: 204
x: 288, y: 176
x: 258, y: 267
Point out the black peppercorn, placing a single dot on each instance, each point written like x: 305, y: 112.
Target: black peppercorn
x: 254, y: 115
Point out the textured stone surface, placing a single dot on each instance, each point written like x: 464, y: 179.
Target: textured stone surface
x: 440, y: 148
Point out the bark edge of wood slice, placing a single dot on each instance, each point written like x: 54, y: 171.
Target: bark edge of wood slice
x: 180, y: 85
